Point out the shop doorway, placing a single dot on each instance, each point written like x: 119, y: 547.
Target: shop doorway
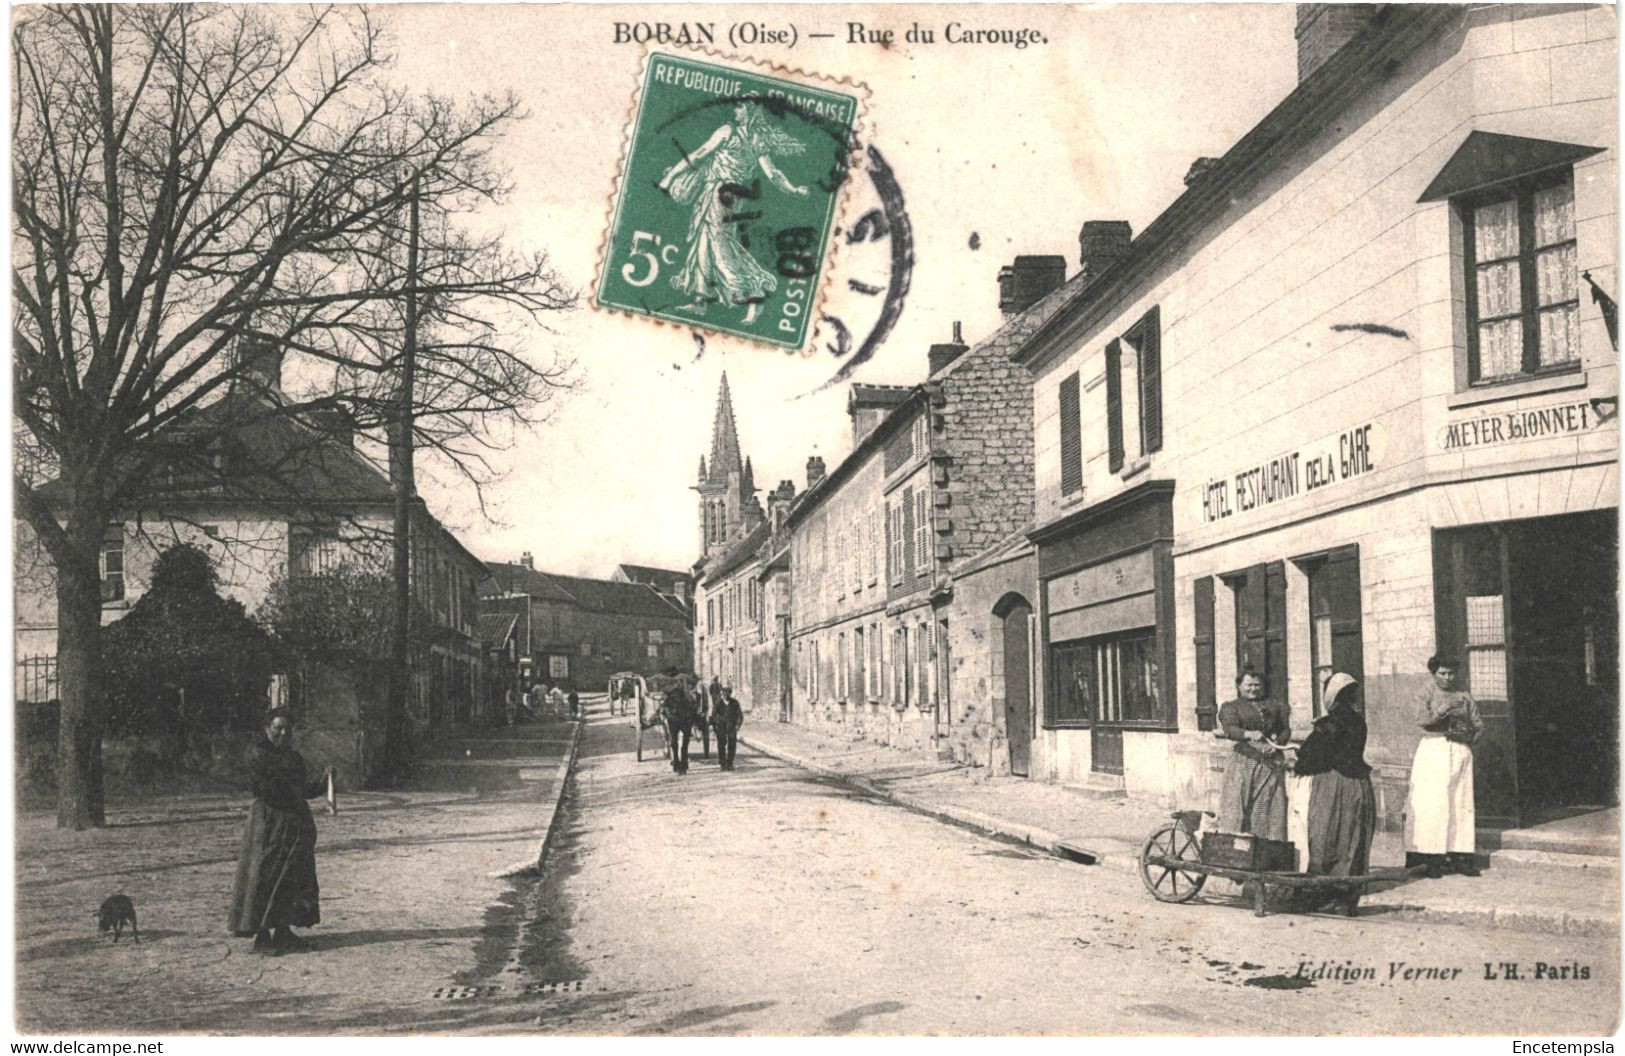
x: 1016, y: 613
x: 1531, y: 608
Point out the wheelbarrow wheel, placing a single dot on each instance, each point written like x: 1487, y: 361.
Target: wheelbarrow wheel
x: 1170, y: 883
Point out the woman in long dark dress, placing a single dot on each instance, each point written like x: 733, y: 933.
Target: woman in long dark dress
x: 1253, y: 797
x: 1342, y: 808
x: 276, y: 874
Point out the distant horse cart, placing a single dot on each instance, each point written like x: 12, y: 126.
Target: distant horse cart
x: 625, y: 688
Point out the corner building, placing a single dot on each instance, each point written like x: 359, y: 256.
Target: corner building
x: 1351, y: 400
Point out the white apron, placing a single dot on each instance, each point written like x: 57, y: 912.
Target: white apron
x: 1441, y: 819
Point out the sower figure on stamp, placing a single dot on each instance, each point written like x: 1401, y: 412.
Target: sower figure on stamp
x: 710, y: 180
x: 1254, y: 794
x: 276, y: 872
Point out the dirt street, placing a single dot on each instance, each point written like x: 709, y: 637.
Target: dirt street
x: 765, y: 901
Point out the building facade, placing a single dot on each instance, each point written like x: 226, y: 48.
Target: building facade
x: 1350, y: 402
x: 577, y: 632
x: 282, y: 502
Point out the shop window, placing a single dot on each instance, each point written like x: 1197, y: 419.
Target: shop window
x: 1486, y: 647
x: 1334, y: 618
x: 1071, y: 437
x: 1111, y: 679
x: 112, y: 563
x: 1070, y: 701
x: 1522, y: 279
x: 1260, y: 606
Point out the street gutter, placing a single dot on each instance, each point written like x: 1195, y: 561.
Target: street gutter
x: 561, y: 777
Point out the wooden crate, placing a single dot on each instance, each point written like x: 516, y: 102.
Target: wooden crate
x: 1235, y: 850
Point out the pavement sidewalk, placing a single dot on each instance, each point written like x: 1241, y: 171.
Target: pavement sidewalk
x: 417, y: 901
x: 1112, y: 829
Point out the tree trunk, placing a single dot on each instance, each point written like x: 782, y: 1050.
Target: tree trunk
x: 80, y: 803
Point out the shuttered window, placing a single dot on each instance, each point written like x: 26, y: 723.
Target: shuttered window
x: 1071, y: 437
x: 1260, y: 594
x: 1114, y: 406
x: 922, y: 534
x: 894, y: 541
x: 906, y: 536
x: 874, y: 545
x: 1335, y: 642
x: 1207, y: 701
x: 1149, y: 333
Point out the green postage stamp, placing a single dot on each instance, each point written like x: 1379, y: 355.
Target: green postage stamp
x: 727, y: 199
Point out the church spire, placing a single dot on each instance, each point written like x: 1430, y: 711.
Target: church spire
x: 724, y: 437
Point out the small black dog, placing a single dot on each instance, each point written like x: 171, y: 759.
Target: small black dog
x: 116, y: 911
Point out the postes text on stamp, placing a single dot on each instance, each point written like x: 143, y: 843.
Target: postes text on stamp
x: 727, y: 199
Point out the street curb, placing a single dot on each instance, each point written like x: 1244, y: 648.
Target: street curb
x: 561, y: 777
x: 996, y: 826
x: 1532, y: 919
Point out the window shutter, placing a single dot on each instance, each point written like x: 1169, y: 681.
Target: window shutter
x: 1275, y: 628
x: 922, y: 535
x: 1343, y: 583
x: 1250, y: 624
x: 1207, y: 701
x: 1114, y: 406
x: 906, y: 531
x: 1151, y: 380
x: 1071, y: 437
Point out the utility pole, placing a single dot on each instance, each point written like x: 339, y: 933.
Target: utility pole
x: 397, y: 723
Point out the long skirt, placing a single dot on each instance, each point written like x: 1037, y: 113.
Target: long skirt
x: 276, y: 873
x: 1342, y: 820
x: 1253, y: 798
x: 1441, y: 818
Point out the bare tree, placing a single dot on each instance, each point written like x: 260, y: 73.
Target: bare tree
x: 188, y: 178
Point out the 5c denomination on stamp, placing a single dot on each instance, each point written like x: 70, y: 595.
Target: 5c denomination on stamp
x: 727, y: 199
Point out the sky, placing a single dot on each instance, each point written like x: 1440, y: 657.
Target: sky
x: 1015, y: 146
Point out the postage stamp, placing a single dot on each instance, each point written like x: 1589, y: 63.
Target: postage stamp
x: 726, y: 205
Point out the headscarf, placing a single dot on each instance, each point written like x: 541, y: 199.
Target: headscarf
x: 1335, y: 685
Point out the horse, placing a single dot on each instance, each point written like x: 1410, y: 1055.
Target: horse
x: 677, y: 713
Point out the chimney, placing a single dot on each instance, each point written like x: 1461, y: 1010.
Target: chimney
x: 259, y: 363
x: 868, y: 406
x: 1324, y: 28
x: 1028, y: 281
x: 778, y: 503
x: 335, y: 424
x: 815, y: 470
x: 942, y: 355
x: 1101, y: 243
x: 1199, y: 168
x: 526, y: 561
